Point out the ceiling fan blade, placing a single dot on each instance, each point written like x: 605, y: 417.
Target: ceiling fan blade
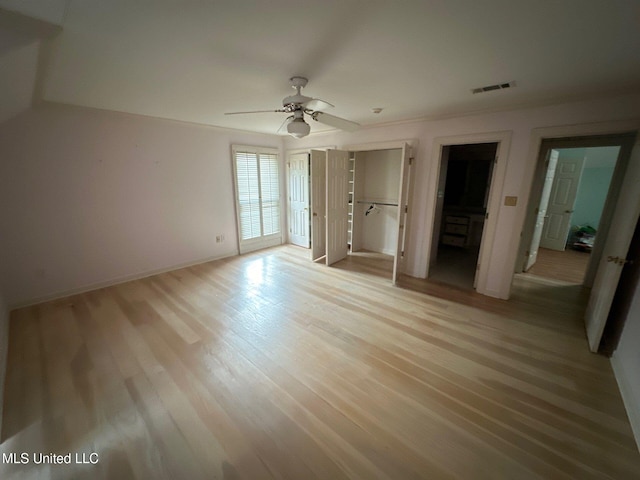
x: 335, y: 122
x: 317, y: 105
x: 282, y: 128
x: 256, y: 111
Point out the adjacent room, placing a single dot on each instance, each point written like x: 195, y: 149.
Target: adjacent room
x: 319, y: 239
x: 571, y: 204
x: 464, y: 187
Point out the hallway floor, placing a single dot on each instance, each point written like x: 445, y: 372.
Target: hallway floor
x: 569, y: 266
x: 457, y: 266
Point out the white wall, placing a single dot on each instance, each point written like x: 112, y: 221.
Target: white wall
x: 520, y: 123
x: 626, y: 364
x: 18, y: 66
x: 381, y: 182
x: 90, y: 197
x: 599, y: 166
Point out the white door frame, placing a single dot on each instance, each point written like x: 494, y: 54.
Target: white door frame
x: 503, y: 139
x: 439, y: 206
x: 318, y: 203
x: 571, y: 136
x: 404, y: 201
x: 548, y: 144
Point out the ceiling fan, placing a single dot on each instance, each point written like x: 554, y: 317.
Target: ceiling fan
x: 299, y: 105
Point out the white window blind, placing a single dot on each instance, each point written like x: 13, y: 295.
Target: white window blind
x: 257, y: 197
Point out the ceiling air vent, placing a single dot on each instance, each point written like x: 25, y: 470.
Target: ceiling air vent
x: 497, y: 86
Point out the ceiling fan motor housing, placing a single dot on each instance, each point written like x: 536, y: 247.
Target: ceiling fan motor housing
x: 298, y: 82
x: 295, y: 101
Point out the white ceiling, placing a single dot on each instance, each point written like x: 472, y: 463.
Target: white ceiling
x: 195, y: 60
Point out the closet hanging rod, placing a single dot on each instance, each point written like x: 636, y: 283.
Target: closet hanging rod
x: 378, y: 203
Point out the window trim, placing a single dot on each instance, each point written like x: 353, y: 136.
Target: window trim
x: 263, y: 241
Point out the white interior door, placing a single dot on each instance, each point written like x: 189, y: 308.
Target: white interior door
x: 561, y: 201
x: 615, y: 250
x: 299, y: 199
x: 337, y: 205
x: 541, y: 214
x: 318, y: 204
x: 403, y: 212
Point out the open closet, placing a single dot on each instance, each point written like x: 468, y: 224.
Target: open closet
x: 359, y: 202
x: 375, y: 182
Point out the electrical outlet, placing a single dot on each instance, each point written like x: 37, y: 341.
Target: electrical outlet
x: 220, y: 238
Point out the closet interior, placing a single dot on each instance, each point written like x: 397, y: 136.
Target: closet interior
x: 359, y: 204
x: 374, y: 188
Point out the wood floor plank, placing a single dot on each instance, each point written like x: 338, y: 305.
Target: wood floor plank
x: 269, y: 366
x: 566, y: 266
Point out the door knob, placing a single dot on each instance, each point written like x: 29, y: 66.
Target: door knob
x: 568, y: 211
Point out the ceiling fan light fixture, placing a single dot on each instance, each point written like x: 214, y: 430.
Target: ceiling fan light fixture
x: 298, y: 128
x: 299, y: 105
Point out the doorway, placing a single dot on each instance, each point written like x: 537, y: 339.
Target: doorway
x: 576, y: 185
x: 570, y: 208
x: 464, y: 184
x: 617, y: 221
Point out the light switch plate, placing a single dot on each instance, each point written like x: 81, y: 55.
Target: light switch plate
x: 510, y: 201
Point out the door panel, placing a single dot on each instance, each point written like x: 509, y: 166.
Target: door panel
x: 318, y: 204
x: 561, y: 201
x: 403, y: 213
x: 616, y: 247
x: 299, y: 199
x: 542, y: 209
x: 337, y: 205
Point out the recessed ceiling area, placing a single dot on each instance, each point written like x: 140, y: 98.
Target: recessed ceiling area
x: 194, y: 61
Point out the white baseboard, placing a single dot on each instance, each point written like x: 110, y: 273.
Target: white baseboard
x: 114, y: 281
x: 631, y: 404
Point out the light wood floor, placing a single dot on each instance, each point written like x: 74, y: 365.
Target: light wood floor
x: 270, y: 366
x: 568, y: 266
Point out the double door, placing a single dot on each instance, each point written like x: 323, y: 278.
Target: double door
x: 329, y: 200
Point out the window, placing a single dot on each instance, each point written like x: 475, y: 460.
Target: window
x: 257, y: 197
